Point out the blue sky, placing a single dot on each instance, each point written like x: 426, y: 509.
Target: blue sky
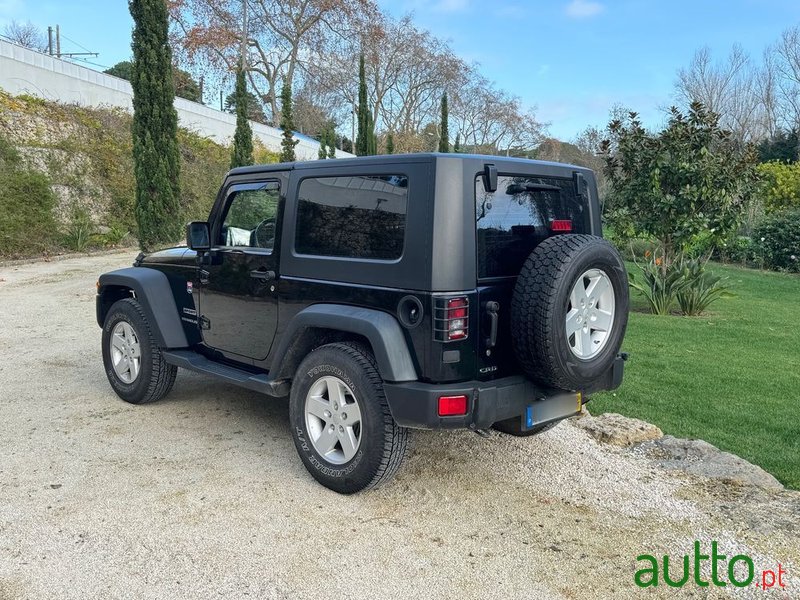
x: 573, y: 59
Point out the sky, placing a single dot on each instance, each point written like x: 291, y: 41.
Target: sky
x: 571, y: 59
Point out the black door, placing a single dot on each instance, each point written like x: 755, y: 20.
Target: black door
x: 238, y: 288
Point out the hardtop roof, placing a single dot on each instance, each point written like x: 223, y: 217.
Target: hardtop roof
x: 419, y: 157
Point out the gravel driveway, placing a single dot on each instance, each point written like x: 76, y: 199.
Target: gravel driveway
x: 202, y: 495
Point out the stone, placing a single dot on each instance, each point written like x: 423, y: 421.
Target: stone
x: 700, y: 458
x: 612, y: 428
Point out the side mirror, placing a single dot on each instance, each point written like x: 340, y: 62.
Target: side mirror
x: 490, y: 178
x: 198, y: 237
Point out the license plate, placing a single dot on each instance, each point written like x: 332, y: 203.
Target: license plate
x: 553, y: 408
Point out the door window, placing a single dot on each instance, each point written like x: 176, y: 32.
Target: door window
x: 250, y: 220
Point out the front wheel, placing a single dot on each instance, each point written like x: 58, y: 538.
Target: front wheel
x: 341, y: 423
x: 133, y: 361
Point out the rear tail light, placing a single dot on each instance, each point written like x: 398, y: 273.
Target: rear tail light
x: 561, y: 225
x: 450, y: 406
x: 451, y: 321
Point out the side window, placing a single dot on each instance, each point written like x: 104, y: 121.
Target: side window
x: 352, y: 217
x: 250, y: 218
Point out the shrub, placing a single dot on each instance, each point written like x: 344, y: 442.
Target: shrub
x: 79, y: 231
x: 738, y: 249
x: 702, y: 288
x: 780, y: 185
x: 27, y: 225
x: 777, y: 241
x: 660, y: 284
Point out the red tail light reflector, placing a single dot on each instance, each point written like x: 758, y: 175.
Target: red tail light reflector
x: 450, y: 406
x: 561, y: 225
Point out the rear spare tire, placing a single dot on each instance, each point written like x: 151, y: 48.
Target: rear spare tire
x: 569, y: 310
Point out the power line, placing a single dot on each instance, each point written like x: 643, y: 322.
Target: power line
x: 77, y: 44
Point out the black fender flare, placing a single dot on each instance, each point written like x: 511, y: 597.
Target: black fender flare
x: 381, y: 330
x: 153, y: 292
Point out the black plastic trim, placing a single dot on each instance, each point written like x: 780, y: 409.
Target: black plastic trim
x: 381, y: 329
x: 152, y: 290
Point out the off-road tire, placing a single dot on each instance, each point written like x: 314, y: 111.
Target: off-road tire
x: 156, y: 377
x: 383, y: 443
x: 539, y: 308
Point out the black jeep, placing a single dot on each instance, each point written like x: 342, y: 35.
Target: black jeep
x: 382, y: 293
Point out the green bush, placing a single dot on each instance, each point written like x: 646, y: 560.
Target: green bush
x: 738, y: 249
x: 660, y: 283
x: 780, y: 185
x: 79, y: 231
x: 777, y: 241
x: 702, y: 288
x: 27, y: 225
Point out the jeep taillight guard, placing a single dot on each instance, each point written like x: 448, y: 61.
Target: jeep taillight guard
x: 450, y: 319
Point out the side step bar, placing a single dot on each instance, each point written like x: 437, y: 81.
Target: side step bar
x: 193, y: 361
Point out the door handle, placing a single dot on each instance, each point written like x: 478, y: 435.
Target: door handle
x: 262, y: 274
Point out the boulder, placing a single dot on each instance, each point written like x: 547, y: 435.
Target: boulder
x: 611, y: 428
x: 698, y: 457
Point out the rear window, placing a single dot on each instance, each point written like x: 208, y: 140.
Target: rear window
x: 512, y: 221
x: 353, y: 217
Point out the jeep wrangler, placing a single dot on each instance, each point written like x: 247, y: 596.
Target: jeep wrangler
x: 380, y: 294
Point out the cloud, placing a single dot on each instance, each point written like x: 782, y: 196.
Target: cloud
x: 583, y: 9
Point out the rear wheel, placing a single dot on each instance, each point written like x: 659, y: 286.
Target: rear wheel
x: 343, y: 429
x: 133, y: 361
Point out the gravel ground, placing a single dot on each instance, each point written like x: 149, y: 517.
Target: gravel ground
x: 202, y: 495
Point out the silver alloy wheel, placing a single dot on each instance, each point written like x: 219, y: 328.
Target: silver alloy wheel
x: 333, y: 420
x: 590, y: 314
x: 126, y: 353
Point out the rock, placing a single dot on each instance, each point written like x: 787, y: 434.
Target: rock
x: 706, y: 460
x: 615, y: 429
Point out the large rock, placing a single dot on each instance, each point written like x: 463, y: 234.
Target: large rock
x: 701, y: 458
x: 615, y: 429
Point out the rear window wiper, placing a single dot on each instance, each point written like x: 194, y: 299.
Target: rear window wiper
x: 519, y: 188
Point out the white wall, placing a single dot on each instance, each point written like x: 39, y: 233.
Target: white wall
x: 23, y: 71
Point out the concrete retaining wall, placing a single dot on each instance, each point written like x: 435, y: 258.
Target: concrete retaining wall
x: 24, y: 71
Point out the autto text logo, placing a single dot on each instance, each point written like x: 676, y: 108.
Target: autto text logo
x: 739, y: 571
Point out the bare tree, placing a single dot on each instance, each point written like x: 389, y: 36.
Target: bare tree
x: 26, y: 34
x: 317, y: 44
x: 784, y: 60
x: 281, y: 36
x: 730, y: 88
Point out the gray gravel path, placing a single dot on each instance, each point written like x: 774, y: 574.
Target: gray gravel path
x: 202, y: 495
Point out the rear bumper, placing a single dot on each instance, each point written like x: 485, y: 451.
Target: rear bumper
x: 415, y: 404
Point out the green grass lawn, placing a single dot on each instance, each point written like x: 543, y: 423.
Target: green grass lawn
x: 730, y: 377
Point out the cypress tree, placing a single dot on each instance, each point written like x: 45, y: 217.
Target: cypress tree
x: 155, y: 127
x: 457, y: 144
x: 243, y: 138
x: 322, y: 154
x: 331, y: 141
x: 287, y: 124
x: 389, y: 143
x: 444, y: 137
x: 366, y: 141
